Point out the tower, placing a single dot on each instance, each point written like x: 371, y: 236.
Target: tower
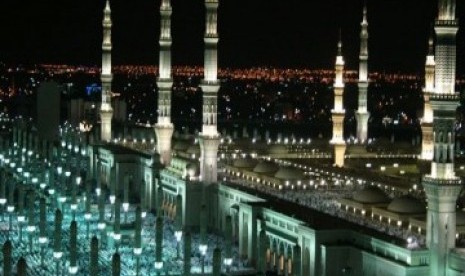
x: 106, y: 111
x: 446, y: 28
x: 338, y: 111
x: 164, y: 128
x: 209, y: 137
x: 442, y: 187
x: 427, y: 146
x: 362, y: 114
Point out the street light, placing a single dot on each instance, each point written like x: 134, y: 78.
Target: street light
x: 178, y: 235
x: 203, y: 251
x: 228, y: 263
x: 158, y: 266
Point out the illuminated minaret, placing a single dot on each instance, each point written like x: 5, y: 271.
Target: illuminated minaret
x: 164, y: 128
x: 209, y: 137
x: 338, y: 111
x: 106, y: 111
x: 427, y: 146
x: 442, y: 187
x: 446, y: 28
x: 362, y: 114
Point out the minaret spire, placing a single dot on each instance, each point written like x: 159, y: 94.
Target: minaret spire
x: 164, y: 128
x: 339, y: 44
x: 209, y: 138
x: 442, y: 186
x: 446, y: 28
x: 338, y: 111
x: 362, y: 114
x: 106, y: 111
x: 427, y: 120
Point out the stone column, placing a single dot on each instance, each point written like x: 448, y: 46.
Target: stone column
x: 179, y: 213
x: 217, y: 262
x: 57, y: 233
x: 7, y: 250
x: 203, y: 225
x: 159, y: 239
x: 116, y: 265
x: 187, y: 253
x: 297, y: 261
x: 73, y: 248
x: 21, y: 267
x: 117, y: 223
x: 93, y: 266
x: 263, y: 246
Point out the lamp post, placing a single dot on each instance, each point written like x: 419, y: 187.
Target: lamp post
x: 117, y: 224
x: 31, y: 227
x: 42, y: 229
x: 57, y: 253
x: 228, y: 263
x: 88, y: 214
x: 3, y: 194
x: 11, y: 207
x: 158, y: 267
x: 101, y: 224
x: 126, y: 199
x: 21, y: 217
x: 74, y: 203
x: 178, y: 235
x: 203, y: 251
x: 138, y: 238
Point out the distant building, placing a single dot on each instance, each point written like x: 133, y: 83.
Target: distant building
x: 48, y: 110
x: 80, y: 110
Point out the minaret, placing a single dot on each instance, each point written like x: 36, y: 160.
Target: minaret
x: 209, y: 137
x: 164, y: 128
x: 362, y: 114
x: 442, y: 187
x: 338, y: 111
x: 427, y: 146
x: 106, y: 111
x: 446, y: 28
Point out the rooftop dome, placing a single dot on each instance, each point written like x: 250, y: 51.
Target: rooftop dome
x: 407, y: 205
x: 371, y: 195
x: 289, y: 173
x: 244, y: 163
x: 265, y: 167
x: 278, y: 149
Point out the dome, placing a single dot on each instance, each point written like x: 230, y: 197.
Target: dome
x: 289, y: 173
x: 181, y: 145
x: 194, y: 149
x: 244, y: 163
x: 265, y: 167
x: 460, y: 219
x: 372, y: 195
x: 277, y: 149
x: 407, y: 205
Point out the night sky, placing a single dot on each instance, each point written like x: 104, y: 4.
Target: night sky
x: 284, y: 33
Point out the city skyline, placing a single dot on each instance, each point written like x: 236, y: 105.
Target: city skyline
x: 292, y: 34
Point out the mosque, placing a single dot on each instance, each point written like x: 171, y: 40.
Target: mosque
x: 273, y: 204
